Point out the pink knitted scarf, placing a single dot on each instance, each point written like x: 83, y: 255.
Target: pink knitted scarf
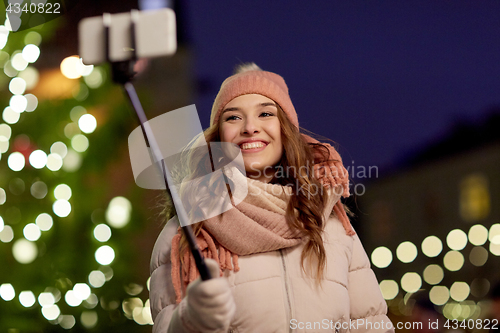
x: 255, y: 225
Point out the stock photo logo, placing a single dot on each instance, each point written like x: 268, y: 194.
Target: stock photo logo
x: 24, y: 15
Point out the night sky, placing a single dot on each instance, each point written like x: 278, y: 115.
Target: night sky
x: 381, y: 78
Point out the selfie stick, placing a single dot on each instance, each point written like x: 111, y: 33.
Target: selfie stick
x: 122, y: 73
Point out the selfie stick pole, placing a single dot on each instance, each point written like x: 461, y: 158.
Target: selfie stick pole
x: 122, y: 73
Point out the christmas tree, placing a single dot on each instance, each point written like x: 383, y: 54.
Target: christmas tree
x: 68, y: 204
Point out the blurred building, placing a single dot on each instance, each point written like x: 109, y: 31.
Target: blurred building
x: 434, y: 224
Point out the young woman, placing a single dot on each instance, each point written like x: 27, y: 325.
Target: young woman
x: 286, y: 258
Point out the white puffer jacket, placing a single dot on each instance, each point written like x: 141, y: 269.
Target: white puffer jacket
x: 272, y: 294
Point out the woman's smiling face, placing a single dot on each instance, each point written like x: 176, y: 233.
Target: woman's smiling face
x: 251, y: 121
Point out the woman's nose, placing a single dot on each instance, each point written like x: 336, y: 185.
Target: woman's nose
x: 250, y: 127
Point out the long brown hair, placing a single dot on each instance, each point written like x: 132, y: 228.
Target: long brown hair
x: 307, y: 203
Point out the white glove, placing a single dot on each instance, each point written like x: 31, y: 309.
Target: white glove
x: 208, y: 306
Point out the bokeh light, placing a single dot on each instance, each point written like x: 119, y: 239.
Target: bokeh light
x: 478, y: 256
x: 59, y: 148
x: 46, y: 299
x: 87, y: 123
x: 478, y: 234
x: 27, y: 298
x: 389, y: 289
x: 38, y: 159
x: 105, y: 255
x: 97, y: 279
x: 495, y: 249
x: 459, y: 291
x: 4, y: 34
x: 439, y: 295
x: 62, y: 192
x: 44, y: 221
x: 81, y: 291
x: 79, y: 143
x: 17, y: 86
x: 33, y: 37
x: 433, y: 274
x: 18, y: 62
x: 31, y: 76
x: 406, y: 252
x: 494, y: 234
x: 72, y: 161
x: 16, y: 161
x: 71, y: 298
x: 17, y: 186
x: 3, y: 196
x: 411, y: 282
x: 32, y: 232
x: 51, y: 312
x: 91, y: 302
x: 432, y: 246
x: 76, y: 112
x: 119, y: 210
x: 18, y: 103
x: 39, y: 189
x: 54, y: 162
x: 5, y: 131
x: 456, y: 239
x: 70, y: 67
x: 61, y: 208
x: 95, y: 79
x: 73, y: 68
x: 479, y: 287
x: 453, y: 260
x: 102, y: 233
x: 67, y: 321
x: 7, y: 292
x: 10, y: 116
x: 89, y: 319
x: 24, y: 251
x: 7, y: 234
x: 31, y: 53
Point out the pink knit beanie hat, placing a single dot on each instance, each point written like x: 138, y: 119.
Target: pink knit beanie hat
x: 254, y: 81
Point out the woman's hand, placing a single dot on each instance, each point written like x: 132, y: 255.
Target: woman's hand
x: 209, y: 305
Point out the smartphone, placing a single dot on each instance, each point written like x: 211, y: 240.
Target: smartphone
x: 155, y: 35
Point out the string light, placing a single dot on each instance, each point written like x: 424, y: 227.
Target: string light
x: 62, y: 192
x: 389, y: 289
x: 17, y: 86
x: 44, y: 221
x: 102, y: 233
x: 24, y: 251
x: 31, y: 53
x: 381, y: 257
x: 118, y: 212
x: 7, y: 234
x: 18, y: 62
x: 38, y: 159
x: 105, y: 255
x: 87, y: 123
x: 16, y: 161
x: 18, y: 103
x: 27, y: 298
x: 59, y: 148
x: 61, y: 208
x: 7, y: 292
x: 10, y: 116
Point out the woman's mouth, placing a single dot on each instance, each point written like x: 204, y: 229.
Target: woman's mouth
x: 252, y: 145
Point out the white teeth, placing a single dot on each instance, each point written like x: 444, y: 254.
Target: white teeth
x: 252, y: 145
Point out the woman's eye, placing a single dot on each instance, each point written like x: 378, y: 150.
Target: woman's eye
x: 231, y: 118
x: 267, y: 114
